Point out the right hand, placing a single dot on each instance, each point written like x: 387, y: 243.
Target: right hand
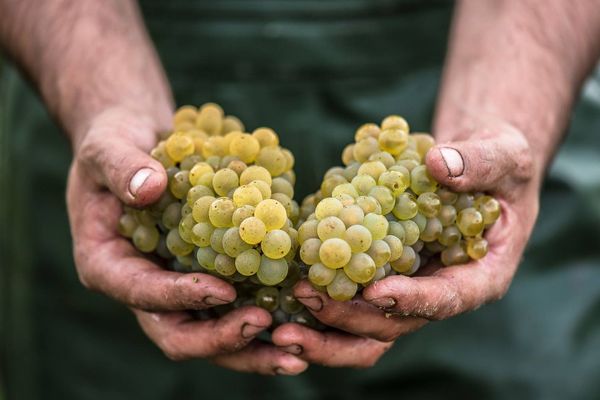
x: 112, y: 166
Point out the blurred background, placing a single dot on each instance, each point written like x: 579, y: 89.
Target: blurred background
x: 314, y: 71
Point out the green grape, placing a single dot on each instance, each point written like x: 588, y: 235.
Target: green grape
x: 144, y: 217
x: 447, y: 215
x: 368, y: 204
x: 477, y: 248
x: 424, y: 142
x: 272, y: 213
x: 189, y: 162
x: 307, y: 231
x: 393, y: 140
x: 268, y: 298
x: 176, y: 245
x: 290, y: 160
x: 395, y: 245
x: 489, y: 209
x: 216, y: 240
x: 309, y: 251
x: 363, y: 184
x: 197, y: 192
x: 395, y: 122
x: 351, y: 171
x: 331, y: 183
x: 320, y: 275
x: 221, y: 211
x: 348, y: 154
x: 470, y: 222
x: 379, y: 275
x: 285, y: 201
x: 421, y: 181
x: 224, y: 265
x: 384, y: 197
x: 160, y: 154
x: 201, y: 208
x: 367, y: 130
x: 358, y: 238
x: 241, y: 213
x: 245, y: 146
x: 198, y: 171
x: 293, y: 276
x: 455, y: 254
x: 429, y: 204
x: 233, y: 243
x: 410, y: 154
x: 406, y: 261
x: 333, y: 171
x: 386, y: 158
x: 248, y: 262
x: 128, y: 224
x: 185, y: 228
x: 266, y: 137
x: 255, y: 173
x: 406, y: 207
x: 335, y: 253
x: 145, y: 238
x: 330, y: 227
x: 179, y: 146
x: 252, y: 230
x: 280, y: 185
x: 161, y: 248
x: 372, y: 168
x: 179, y: 184
x: 238, y: 166
x: 464, y: 200
x: 328, y: 207
x: 272, y: 272
x: 409, y: 165
x: 224, y: 181
x: 433, y: 230
x: 345, y: 189
x: 364, y: 148
x: 396, y: 229
x: 450, y: 236
x: 289, y: 176
x: 201, y: 233
x: 377, y: 225
x: 206, y: 257
x: 287, y: 301
x: 418, y: 246
x: 345, y: 199
x: 447, y: 197
x: 421, y: 221
x: 412, y: 232
x: 434, y: 247
x: 351, y: 215
x: 361, y: 268
x: 380, y: 252
x: 186, y: 210
x: 210, y: 118
x: 206, y: 179
x: 247, y: 195
x: 342, y: 288
x: 394, y: 181
x: 276, y: 244
x: 305, y: 318
x: 273, y: 159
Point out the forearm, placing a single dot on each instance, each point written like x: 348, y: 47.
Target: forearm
x: 86, y: 56
x: 522, y: 62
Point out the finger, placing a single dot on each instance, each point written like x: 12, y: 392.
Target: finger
x: 263, y: 359
x: 181, y: 337
x: 366, y: 320
x: 329, y: 348
x: 480, y: 164
x: 115, y: 156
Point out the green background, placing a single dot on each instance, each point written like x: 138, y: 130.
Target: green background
x: 314, y: 71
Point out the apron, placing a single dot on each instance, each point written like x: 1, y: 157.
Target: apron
x: 313, y: 71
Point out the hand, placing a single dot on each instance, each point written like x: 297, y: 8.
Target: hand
x: 113, y: 155
x: 493, y: 157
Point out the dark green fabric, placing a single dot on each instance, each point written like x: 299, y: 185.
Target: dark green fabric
x: 312, y: 70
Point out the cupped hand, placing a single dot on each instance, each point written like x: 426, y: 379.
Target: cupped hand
x: 492, y: 156
x: 111, y: 166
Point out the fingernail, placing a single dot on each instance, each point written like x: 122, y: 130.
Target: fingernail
x: 249, y: 330
x: 281, y: 371
x: 453, y: 160
x: 214, y: 301
x: 139, y: 179
x: 383, y: 302
x: 312, y: 303
x: 294, y: 349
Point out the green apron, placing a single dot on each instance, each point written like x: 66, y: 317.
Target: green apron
x: 314, y: 71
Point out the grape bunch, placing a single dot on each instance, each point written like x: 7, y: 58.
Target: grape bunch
x: 228, y: 211
x: 383, y: 214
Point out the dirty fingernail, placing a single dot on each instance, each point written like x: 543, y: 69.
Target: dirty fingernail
x: 312, y: 303
x: 292, y: 349
x: 453, y: 160
x: 249, y: 330
x: 383, y: 302
x: 139, y: 179
x: 214, y: 301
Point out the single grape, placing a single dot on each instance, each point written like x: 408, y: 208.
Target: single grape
x: 384, y: 197
x: 198, y: 171
x: 358, y: 237
x: 455, y: 254
x: 179, y: 146
x: 272, y: 272
x: 429, y: 204
x: 266, y: 137
x: 233, y: 244
x: 206, y: 257
x: 225, y: 265
x: 412, y: 232
x: 128, y: 224
x: 380, y: 252
x: 268, y: 298
x: 272, y: 213
x: 238, y: 166
x: 421, y: 181
x: 367, y: 130
x: 420, y: 220
x: 330, y: 227
x: 185, y: 228
x: 364, y: 148
x: 255, y: 173
x: 450, y: 236
x: 145, y: 238
x: 405, y: 262
x: 280, y: 185
x: 176, y: 245
x: 328, y: 207
x: 309, y: 251
x: 335, y: 253
x: 368, y: 204
x: 248, y: 262
x: 470, y: 222
x: 348, y: 154
x: 447, y: 215
x: 273, y: 159
x: 245, y: 146
x: 287, y: 301
x: 342, y: 288
x: 447, y: 196
x: 200, y: 209
x: 201, y: 233
x: 351, y: 215
x: 394, y: 181
x: 393, y: 141
x: 345, y: 189
x: 221, y: 211
x: 396, y: 229
x: 395, y: 245
x: 361, y: 268
x: 424, y: 142
x: 330, y: 183
x: 372, y: 168
x: 307, y: 231
x: 377, y: 225
x: 433, y: 230
x: 179, y: 184
x: 276, y: 244
x: 477, y: 248
x: 285, y: 201
x: 320, y: 274
x: 464, y: 200
x: 231, y: 124
x: 406, y: 206
x: 363, y: 184
x: 384, y: 157
x: 216, y: 240
x: 489, y: 209
x: 395, y: 122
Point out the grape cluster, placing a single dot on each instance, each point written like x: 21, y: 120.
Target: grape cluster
x: 383, y: 214
x: 228, y: 211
